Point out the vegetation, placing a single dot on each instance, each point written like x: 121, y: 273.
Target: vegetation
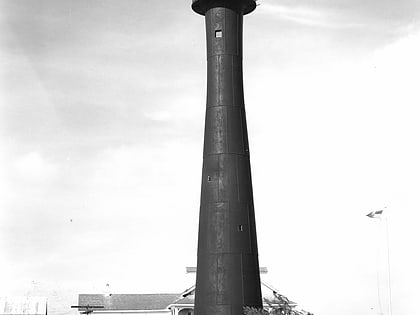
x: 279, y: 305
x: 254, y: 311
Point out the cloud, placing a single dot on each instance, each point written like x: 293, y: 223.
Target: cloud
x: 34, y: 167
x: 370, y: 12
x: 26, y: 178
x: 307, y: 15
x: 82, y: 76
x: 400, y: 56
x: 373, y: 23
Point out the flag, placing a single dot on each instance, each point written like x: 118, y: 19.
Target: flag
x: 375, y: 214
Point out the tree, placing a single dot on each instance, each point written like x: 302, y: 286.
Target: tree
x: 279, y: 305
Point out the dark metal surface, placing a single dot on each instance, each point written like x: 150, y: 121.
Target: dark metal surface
x: 241, y: 6
x: 227, y: 264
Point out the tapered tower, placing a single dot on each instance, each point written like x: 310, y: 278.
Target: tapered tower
x: 227, y: 264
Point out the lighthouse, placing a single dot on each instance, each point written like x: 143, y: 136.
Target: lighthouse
x: 228, y: 277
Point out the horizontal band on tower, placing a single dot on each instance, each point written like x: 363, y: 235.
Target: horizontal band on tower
x: 241, y: 6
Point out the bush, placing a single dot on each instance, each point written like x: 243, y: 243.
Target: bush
x: 254, y: 311
x: 280, y: 305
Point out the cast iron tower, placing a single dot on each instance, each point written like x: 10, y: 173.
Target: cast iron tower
x: 228, y: 275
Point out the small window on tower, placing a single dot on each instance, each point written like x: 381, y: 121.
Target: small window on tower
x: 219, y: 33
x: 240, y: 228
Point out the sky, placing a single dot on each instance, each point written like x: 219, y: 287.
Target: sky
x: 102, y: 109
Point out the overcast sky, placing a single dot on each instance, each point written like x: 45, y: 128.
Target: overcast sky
x: 101, y: 133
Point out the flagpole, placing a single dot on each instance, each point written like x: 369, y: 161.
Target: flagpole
x: 378, y: 215
x: 389, y: 267
x: 378, y: 256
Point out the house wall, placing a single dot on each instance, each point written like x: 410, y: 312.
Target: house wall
x: 186, y: 312
x: 23, y: 305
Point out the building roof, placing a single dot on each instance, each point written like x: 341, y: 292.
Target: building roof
x: 129, y: 301
x: 153, y: 301
x: 187, y: 300
x: 162, y: 301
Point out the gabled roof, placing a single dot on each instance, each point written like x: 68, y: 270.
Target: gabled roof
x: 187, y: 300
x: 158, y: 301
x: 129, y: 301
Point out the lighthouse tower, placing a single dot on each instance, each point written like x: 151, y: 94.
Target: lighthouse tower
x: 227, y: 259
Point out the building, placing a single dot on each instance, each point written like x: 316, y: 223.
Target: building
x: 157, y: 304
x: 23, y: 305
